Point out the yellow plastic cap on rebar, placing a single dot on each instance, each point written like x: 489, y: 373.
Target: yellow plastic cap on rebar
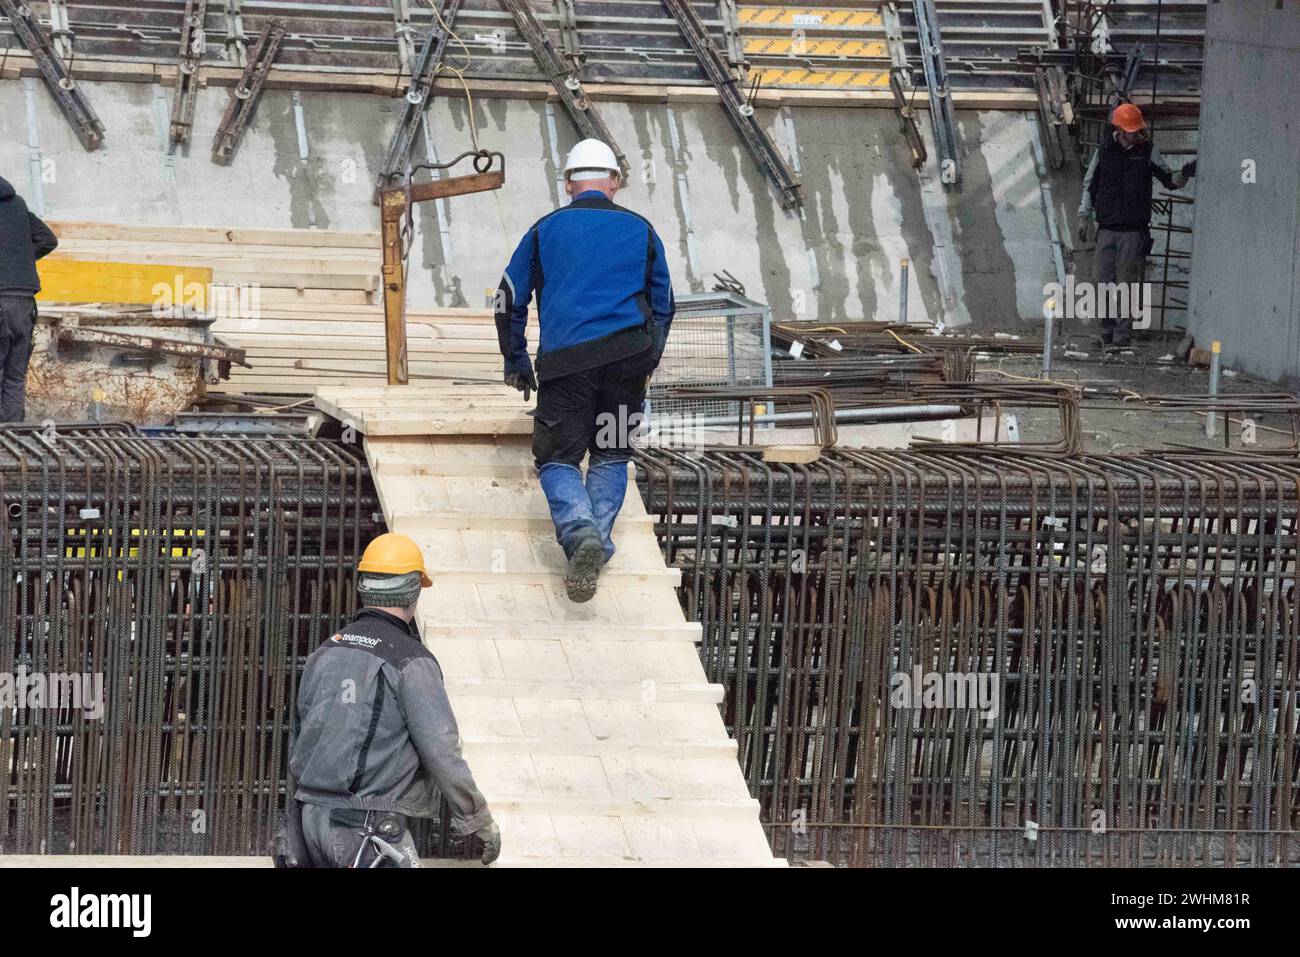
x: 393, y: 554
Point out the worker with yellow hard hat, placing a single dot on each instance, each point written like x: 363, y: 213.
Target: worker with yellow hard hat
x: 1117, y: 191
x: 374, y: 740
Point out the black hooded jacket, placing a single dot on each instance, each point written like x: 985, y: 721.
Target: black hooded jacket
x: 23, y: 240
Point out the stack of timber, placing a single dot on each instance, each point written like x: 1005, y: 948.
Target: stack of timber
x: 303, y: 304
x: 292, y: 351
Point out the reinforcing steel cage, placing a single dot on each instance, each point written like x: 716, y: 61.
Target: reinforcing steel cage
x: 188, y: 578
x: 929, y: 657
x: 1000, y: 659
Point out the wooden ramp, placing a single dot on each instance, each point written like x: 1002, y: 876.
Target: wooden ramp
x: 590, y: 728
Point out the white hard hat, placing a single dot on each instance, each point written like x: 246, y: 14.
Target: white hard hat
x: 590, y: 159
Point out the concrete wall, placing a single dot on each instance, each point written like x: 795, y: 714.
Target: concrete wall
x: 980, y: 255
x: 1246, y: 249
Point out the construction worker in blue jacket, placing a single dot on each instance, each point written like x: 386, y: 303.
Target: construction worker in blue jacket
x: 605, y: 303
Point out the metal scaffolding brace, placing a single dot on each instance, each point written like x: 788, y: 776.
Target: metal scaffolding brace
x: 900, y: 82
x: 193, y: 43
x: 236, y: 40
x: 419, y: 94
x: 936, y: 81
x: 739, y: 111
x: 731, y: 33
x: 565, y: 79
x: 61, y: 28
x: 569, y: 39
x: 58, y: 80
x: 246, y: 94
x: 405, y: 34
x: 1055, y: 114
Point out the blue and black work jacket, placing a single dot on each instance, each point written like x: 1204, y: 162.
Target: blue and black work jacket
x: 601, y: 281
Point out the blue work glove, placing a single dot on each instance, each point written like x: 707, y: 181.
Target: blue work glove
x: 519, y: 375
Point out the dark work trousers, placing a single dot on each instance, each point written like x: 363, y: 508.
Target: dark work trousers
x: 334, y: 843
x: 593, y: 411
x: 1120, y: 258
x: 17, y: 323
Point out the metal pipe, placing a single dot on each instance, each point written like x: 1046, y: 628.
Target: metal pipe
x: 902, y: 291
x: 1049, y: 311
x: 888, y: 413
x: 1211, y: 417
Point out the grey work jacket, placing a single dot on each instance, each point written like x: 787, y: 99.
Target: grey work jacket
x: 374, y: 730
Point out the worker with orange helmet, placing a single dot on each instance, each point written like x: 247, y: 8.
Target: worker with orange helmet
x: 373, y: 738
x: 1117, y: 192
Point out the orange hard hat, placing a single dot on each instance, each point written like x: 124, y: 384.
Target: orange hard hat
x: 1128, y: 118
x: 393, y: 554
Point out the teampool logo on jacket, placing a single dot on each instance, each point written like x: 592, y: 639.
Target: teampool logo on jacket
x: 355, y: 639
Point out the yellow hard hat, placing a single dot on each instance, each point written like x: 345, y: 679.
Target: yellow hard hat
x: 393, y: 554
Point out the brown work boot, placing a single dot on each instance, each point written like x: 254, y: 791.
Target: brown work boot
x: 584, y: 568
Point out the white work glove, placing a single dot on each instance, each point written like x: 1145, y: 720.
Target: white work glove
x: 491, y: 838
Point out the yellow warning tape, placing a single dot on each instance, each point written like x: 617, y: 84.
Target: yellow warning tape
x: 98, y: 549
x: 826, y: 79
x: 807, y: 17
x: 791, y: 46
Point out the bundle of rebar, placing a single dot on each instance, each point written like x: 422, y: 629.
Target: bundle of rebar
x: 1000, y: 659
x: 862, y: 372
x: 842, y: 344
x: 189, y: 578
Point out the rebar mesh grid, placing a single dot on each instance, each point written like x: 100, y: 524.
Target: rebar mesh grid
x: 195, y: 575
x: 1139, y: 614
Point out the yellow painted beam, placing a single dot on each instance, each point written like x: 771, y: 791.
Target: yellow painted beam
x: 65, y: 279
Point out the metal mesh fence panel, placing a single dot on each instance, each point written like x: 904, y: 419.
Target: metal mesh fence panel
x: 717, y: 339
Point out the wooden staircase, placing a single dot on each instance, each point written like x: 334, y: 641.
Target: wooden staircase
x: 590, y: 728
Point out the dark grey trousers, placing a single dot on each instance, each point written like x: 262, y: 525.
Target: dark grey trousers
x: 331, y: 844
x: 17, y: 322
x: 1119, y: 259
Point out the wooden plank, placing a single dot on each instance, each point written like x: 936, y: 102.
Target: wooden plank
x: 77, y: 229
x: 724, y: 748
x: 792, y: 454
x: 433, y: 628
x: 582, y: 690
